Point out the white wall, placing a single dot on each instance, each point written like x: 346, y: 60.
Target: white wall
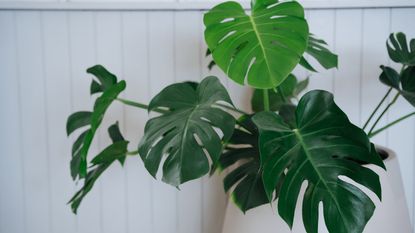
x: 43, y: 57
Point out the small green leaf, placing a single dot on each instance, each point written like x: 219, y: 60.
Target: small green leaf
x: 317, y: 49
x: 389, y: 77
x: 404, y: 83
x: 263, y: 47
x: 113, y: 152
x: 322, y: 146
x: 301, y: 86
x: 186, y: 131
x: 105, y: 78
x: 77, y: 120
x: 398, y: 49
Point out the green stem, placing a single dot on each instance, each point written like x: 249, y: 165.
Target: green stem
x: 139, y: 105
x: 132, y: 153
x: 266, y: 99
x: 383, y: 113
x: 391, y: 124
x: 377, y: 108
x: 232, y: 109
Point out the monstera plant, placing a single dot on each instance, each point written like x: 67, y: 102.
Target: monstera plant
x: 269, y: 152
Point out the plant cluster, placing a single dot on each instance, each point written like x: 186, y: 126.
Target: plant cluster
x: 268, y: 153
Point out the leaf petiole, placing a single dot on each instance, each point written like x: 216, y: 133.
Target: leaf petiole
x: 391, y: 124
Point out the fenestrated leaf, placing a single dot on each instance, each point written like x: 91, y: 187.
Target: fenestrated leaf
x: 323, y: 146
x: 110, y: 89
x: 116, y: 151
x: 398, y: 49
x: 245, y: 180
x: 404, y: 83
x: 317, y: 49
x: 183, y: 133
x: 263, y: 47
x: 77, y: 120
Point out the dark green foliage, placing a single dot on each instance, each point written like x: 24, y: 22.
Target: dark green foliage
x: 110, y: 90
x: 116, y: 151
x: 404, y: 82
x: 191, y: 114
x: 399, y: 51
x: 245, y: 180
x: 322, y: 146
x: 289, y: 91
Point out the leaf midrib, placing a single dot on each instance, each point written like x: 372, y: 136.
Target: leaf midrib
x: 257, y: 34
x: 309, y: 157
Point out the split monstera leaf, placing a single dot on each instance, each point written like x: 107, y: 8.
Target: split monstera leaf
x: 268, y: 154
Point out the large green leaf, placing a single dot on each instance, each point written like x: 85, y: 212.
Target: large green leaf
x: 110, y: 89
x: 186, y: 131
x: 116, y: 151
x: 399, y: 51
x: 263, y: 47
x: 245, y: 180
x: 404, y: 82
x: 323, y: 146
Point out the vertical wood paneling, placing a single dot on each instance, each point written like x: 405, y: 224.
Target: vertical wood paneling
x: 34, y: 139
x: 57, y: 74
x: 161, y: 73
x: 82, y: 55
x: 348, y: 45
x: 214, y: 200
x: 12, y: 201
x: 322, y: 24
x: 44, y: 79
x: 135, y: 72
x: 373, y: 54
x: 401, y: 137
x: 187, y: 68
x: 109, y: 54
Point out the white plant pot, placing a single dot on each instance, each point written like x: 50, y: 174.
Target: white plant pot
x: 391, y: 215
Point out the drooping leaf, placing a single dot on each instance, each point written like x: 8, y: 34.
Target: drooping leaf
x: 186, y: 131
x: 77, y: 120
x: 323, y: 146
x: 317, y: 49
x: 116, y: 151
x: 404, y: 83
x: 260, y: 49
x: 398, y: 49
x: 110, y: 89
x: 244, y: 181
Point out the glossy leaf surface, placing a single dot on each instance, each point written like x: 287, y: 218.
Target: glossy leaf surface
x: 322, y: 146
x: 260, y: 49
x: 183, y: 133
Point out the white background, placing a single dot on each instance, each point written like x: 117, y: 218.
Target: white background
x: 43, y: 58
